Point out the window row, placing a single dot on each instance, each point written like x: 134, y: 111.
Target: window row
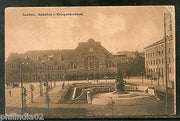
x: 158, y: 70
x: 157, y: 53
x: 155, y: 62
x: 159, y: 61
x: 110, y: 64
x: 49, y: 58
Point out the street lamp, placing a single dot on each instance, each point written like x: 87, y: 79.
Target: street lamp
x: 158, y: 75
x: 47, y: 100
x: 24, y: 95
x: 50, y: 75
x: 23, y: 90
x: 41, y: 90
x: 142, y: 77
x: 46, y: 73
x: 32, y: 89
x: 151, y: 77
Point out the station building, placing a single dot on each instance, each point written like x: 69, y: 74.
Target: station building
x: 89, y: 60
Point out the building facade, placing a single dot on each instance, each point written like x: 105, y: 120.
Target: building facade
x: 89, y: 60
x: 155, y: 61
x: 130, y: 63
x: 156, y: 56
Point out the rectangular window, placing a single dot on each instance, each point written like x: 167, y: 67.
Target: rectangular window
x: 162, y: 60
x: 169, y: 69
x: 156, y: 61
x: 59, y: 67
x: 157, y: 53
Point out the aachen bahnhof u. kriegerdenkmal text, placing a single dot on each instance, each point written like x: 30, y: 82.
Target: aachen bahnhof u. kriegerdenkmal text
x: 52, y: 14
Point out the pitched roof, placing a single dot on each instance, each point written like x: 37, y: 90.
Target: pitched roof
x: 169, y: 38
x: 68, y: 55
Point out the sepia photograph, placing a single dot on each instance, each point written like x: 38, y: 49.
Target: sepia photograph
x: 113, y: 61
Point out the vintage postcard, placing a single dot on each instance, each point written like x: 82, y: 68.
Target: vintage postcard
x: 90, y: 61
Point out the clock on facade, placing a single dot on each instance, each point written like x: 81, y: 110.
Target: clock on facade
x: 91, y: 49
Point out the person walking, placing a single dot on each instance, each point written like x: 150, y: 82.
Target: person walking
x: 63, y: 85
x: 10, y: 93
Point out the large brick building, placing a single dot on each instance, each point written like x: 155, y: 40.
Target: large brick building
x: 88, y: 60
x: 156, y: 56
x: 155, y: 61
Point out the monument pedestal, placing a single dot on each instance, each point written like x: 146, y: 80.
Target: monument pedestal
x: 120, y: 86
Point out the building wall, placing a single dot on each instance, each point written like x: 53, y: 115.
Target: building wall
x: 155, y: 62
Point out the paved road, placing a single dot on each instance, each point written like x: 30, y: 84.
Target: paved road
x: 14, y: 101
x: 147, y: 82
x: 73, y: 110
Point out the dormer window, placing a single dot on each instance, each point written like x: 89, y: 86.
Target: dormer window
x: 50, y: 58
x: 38, y: 58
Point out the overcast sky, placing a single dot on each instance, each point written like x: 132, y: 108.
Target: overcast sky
x: 125, y: 28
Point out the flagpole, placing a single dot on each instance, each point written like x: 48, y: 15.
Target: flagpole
x: 166, y: 86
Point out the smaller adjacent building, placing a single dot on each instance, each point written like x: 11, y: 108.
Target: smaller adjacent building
x: 155, y: 61
x: 130, y: 63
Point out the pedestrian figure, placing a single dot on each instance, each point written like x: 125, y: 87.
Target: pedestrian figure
x: 10, y: 93
x: 63, y: 85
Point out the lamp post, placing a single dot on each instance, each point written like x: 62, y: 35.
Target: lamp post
x: 23, y: 91
x: 142, y: 77
x: 47, y: 94
x: 32, y: 89
x: 151, y: 77
x: 43, y: 61
x: 24, y: 99
x: 40, y: 86
x: 50, y: 77
x: 158, y: 75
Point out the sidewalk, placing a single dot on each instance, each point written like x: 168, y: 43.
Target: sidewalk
x: 146, y: 82
x: 53, y: 94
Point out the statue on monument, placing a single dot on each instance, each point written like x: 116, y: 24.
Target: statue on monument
x: 120, y: 83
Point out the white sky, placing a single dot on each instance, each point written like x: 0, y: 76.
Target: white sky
x: 125, y: 28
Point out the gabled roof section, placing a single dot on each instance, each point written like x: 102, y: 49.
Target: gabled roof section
x: 91, y: 43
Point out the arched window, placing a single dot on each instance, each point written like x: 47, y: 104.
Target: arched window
x: 91, y: 63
